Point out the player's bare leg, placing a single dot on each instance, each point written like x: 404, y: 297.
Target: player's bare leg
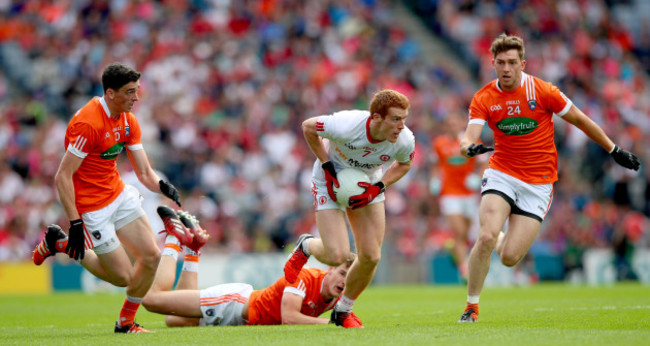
x: 333, y: 247
x: 515, y: 243
x: 460, y: 227
x: 138, y: 239
x: 493, y: 212
x: 161, y: 299
x: 368, y: 225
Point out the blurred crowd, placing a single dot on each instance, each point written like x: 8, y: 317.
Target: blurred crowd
x: 226, y: 85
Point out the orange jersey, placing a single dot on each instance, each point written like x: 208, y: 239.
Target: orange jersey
x: 522, y: 122
x: 264, y: 305
x: 454, y: 167
x: 98, y: 139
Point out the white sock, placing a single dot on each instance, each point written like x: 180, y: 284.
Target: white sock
x: 472, y: 299
x: 345, y: 304
x: 134, y: 299
x: 305, y: 246
x: 191, y: 263
x: 172, y: 247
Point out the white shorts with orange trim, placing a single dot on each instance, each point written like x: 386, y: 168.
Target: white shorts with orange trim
x: 532, y: 200
x: 101, y: 224
x: 222, y: 305
x: 467, y: 206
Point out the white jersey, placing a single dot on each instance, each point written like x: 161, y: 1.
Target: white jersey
x: 350, y: 144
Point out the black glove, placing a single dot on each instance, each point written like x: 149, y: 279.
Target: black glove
x: 478, y: 149
x: 330, y: 179
x: 169, y: 191
x: 625, y: 158
x: 75, y: 248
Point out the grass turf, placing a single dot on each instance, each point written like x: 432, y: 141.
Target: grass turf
x: 543, y: 314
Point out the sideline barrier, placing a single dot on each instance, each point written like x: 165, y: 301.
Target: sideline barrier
x: 24, y: 278
x: 261, y: 270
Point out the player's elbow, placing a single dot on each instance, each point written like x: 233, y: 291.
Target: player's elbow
x: 307, y: 127
x: 288, y: 318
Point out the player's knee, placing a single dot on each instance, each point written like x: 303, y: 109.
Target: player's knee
x: 510, y: 259
x: 487, y: 241
x: 337, y: 257
x: 122, y: 279
x: 369, y: 259
x: 150, y: 261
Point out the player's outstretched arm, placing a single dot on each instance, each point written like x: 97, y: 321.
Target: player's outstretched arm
x: 291, y: 304
x: 149, y: 178
x: 580, y: 120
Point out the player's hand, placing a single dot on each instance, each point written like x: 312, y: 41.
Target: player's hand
x: 365, y: 198
x: 75, y: 248
x: 625, y: 158
x: 477, y: 149
x: 330, y: 179
x: 169, y: 191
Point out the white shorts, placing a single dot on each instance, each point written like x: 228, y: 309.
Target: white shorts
x: 532, y: 200
x: 101, y: 224
x: 222, y: 305
x: 322, y: 200
x: 467, y: 206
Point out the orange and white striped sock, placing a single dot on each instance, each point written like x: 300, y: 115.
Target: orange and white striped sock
x: 191, y: 263
x: 172, y: 247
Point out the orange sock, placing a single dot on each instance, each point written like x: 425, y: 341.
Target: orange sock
x: 130, y: 307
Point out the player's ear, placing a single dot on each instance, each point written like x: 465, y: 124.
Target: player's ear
x: 111, y: 93
x: 523, y: 64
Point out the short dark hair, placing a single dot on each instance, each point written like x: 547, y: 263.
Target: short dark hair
x: 117, y: 75
x: 385, y: 99
x: 504, y: 43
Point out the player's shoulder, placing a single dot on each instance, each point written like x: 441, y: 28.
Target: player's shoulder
x: 352, y: 113
x: 350, y: 116
x: 89, y: 114
x: 539, y: 84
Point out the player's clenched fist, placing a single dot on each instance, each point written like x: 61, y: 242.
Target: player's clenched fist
x: 625, y: 158
x: 477, y: 149
x: 75, y: 248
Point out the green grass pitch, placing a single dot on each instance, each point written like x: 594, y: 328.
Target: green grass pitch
x: 545, y: 314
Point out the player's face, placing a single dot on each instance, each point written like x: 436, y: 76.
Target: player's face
x: 391, y: 126
x: 125, y: 97
x: 508, y: 67
x: 336, y: 281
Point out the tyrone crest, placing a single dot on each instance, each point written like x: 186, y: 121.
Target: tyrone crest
x: 532, y: 104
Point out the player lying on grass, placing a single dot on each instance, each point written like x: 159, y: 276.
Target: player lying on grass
x: 314, y: 292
